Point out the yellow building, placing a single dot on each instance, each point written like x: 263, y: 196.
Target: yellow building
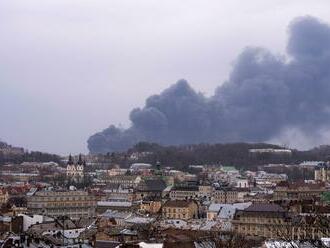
x: 152, y: 207
x: 225, y: 196
x: 180, y: 209
x: 261, y: 219
x: 298, y: 191
x: 4, y: 196
x: 273, y: 222
x: 74, y: 204
x: 322, y: 172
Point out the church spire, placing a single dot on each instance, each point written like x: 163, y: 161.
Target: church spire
x: 70, y: 160
x: 80, y: 161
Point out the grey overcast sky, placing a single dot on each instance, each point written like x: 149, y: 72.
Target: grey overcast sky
x: 70, y: 68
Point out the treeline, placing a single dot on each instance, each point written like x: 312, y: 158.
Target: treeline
x: 235, y: 154
x: 28, y: 157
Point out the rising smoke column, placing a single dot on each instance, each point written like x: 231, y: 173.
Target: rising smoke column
x: 265, y: 98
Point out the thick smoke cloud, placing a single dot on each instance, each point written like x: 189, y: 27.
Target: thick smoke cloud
x: 265, y: 98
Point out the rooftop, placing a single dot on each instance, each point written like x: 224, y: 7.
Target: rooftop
x: 264, y: 207
x: 177, y: 203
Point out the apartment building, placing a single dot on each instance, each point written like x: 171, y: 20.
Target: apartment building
x: 126, y: 181
x: 74, y: 204
x: 184, y: 193
x: 225, y: 196
x: 298, y: 191
x: 263, y: 220
x: 180, y: 209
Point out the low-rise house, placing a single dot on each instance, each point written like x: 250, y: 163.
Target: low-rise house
x: 60, y: 229
x: 13, y: 224
x: 29, y: 220
x: 113, y: 218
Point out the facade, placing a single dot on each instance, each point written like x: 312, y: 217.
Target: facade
x: 75, y: 204
x: 4, y: 196
x: 322, y: 172
x: 116, y: 192
x: 225, y: 196
x: 205, y: 191
x: 184, y: 193
x: 180, y: 209
x: 261, y: 219
x: 298, y: 191
x: 152, y: 207
x: 150, y: 188
x: 74, y: 170
x: 273, y: 222
x: 242, y: 183
x: 125, y: 181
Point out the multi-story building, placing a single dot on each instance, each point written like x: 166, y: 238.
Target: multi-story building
x: 269, y: 179
x: 126, y: 181
x: 273, y: 222
x: 4, y: 196
x: 116, y: 192
x: 74, y: 204
x: 322, y: 172
x: 151, y: 206
x: 150, y: 188
x: 225, y: 196
x: 184, y: 193
x: 180, y: 209
x: 263, y: 220
x: 298, y: 191
x: 205, y: 191
x: 116, y: 172
x: 242, y: 182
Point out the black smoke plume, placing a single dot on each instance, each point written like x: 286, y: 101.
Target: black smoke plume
x: 266, y: 97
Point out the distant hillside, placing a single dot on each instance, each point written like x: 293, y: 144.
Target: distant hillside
x: 11, y: 154
x: 235, y: 154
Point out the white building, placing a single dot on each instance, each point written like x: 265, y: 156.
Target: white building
x: 242, y: 183
x: 75, y: 170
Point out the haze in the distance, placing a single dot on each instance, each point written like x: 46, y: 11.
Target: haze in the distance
x: 71, y: 68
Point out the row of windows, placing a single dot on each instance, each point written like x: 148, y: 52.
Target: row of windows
x: 174, y: 210
x: 56, y: 198
x: 176, y: 216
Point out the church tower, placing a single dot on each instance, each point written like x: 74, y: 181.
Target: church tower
x: 75, y: 171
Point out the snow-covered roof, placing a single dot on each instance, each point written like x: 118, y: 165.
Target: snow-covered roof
x: 139, y: 220
x: 228, y: 210
x: 116, y: 214
x: 146, y: 245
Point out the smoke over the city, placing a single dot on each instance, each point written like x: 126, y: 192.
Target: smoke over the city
x: 267, y: 97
